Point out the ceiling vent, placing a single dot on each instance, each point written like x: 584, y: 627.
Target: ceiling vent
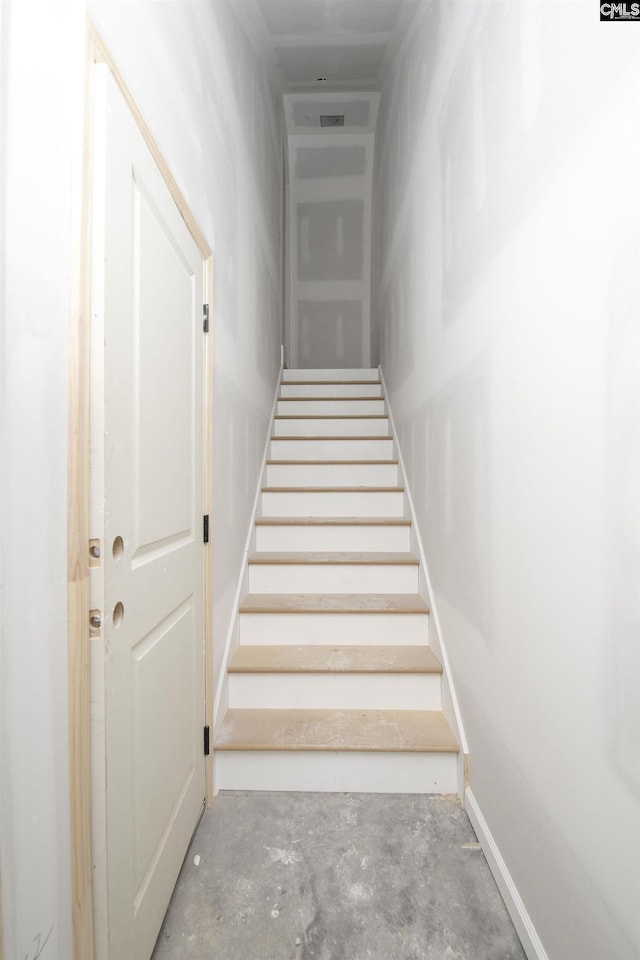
x: 332, y: 120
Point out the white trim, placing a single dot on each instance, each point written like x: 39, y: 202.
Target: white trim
x: 523, y: 923
x: 221, y: 684
x: 425, y: 569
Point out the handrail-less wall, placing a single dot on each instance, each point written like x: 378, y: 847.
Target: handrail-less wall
x: 506, y: 312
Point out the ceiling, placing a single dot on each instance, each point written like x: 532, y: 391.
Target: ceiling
x: 327, y: 45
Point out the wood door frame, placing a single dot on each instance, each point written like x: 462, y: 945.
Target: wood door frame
x: 78, y: 500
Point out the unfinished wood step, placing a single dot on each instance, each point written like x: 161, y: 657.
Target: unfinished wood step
x: 334, y: 521
x: 333, y: 474
x: 354, y: 488
x: 330, y: 678
x: 327, y: 603
x: 348, y: 374
x: 333, y: 572
x: 413, y: 731
x: 332, y: 659
x: 369, y: 425
x: 331, y: 407
x: 330, y: 388
x: 334, y: 618
x: 332, y: 501
x: 315, y: 403
x: 333, y: 533
x: 331, y: 557
x: 293, y: 384
x: 409, y: 751
x: 331, y: 448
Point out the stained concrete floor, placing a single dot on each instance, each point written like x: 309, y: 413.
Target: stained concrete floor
x: 308, y: 876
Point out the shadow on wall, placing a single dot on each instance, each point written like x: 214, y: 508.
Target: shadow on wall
x: 622, y: 430
x: 445, y: 440
x: 507, y: 284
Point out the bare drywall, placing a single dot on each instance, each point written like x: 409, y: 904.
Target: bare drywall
x: 506, y: 320
x: 329, y: 229
x: 207, y: 99
x: 41, y: 100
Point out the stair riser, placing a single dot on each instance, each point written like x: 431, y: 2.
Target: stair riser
x: 332, y: 427
x: 331, y: 772
x: 347, y: 449
x: 332, y: 475
x: 332, y: 578
x: 290, y: 376
x: 360, y: 503
x: 330, y: 408
x: 334, y: 628
x: 308, y: 691
x: 308, y: 538
x: 343, y: 390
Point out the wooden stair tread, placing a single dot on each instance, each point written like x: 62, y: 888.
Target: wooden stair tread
x: 347, y: 463
x: 349, y: 557
x: 331, y: 383
x: 325, y: 489
x: 344, y: 730
x: 341, y: 436
x: 378, y: 603
x: 333, y: 521
x: 313, y: 658
x: 332, y: 416
x: 327, y: 399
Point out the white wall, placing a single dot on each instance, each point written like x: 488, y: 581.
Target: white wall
x: 329, y: 229
x: 208, y: 102
x: 40, y: 109
x: 507, y: 308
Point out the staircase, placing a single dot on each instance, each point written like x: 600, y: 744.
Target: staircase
x: 333, y: 686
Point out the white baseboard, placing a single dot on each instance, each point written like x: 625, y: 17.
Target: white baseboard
x: 531, y: 942
x: 221, y: 698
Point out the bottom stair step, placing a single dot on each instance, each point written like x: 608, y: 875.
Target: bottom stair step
x: 409, y: 751
x: 378, y: 730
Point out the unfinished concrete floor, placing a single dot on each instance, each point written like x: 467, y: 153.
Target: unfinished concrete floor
x: 311, y: 876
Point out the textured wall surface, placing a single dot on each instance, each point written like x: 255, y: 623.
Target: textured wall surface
x: 506, y: 320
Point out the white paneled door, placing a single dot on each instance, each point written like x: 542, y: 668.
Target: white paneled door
x: 147, y: 514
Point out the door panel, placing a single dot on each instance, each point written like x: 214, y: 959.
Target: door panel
x: 162, y: 397
x: 147, y: 295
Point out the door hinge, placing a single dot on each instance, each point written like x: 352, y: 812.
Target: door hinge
x: 205, y: 528
x: 207, y: 749
x: 205, y: 317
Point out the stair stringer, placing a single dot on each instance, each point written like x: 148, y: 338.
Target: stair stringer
x: 450, y: 705
x: 232, y: 641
